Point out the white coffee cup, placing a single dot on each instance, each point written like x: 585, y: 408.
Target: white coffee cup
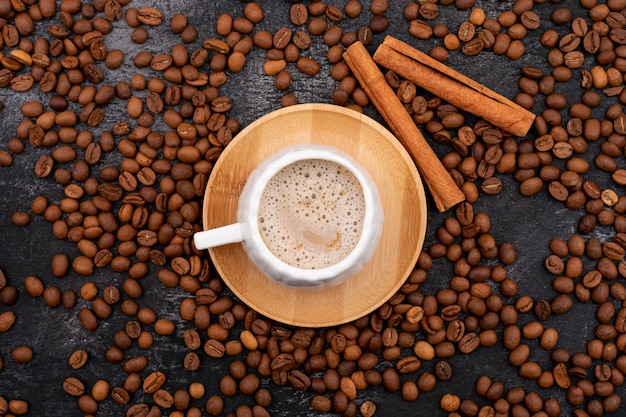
x: 252, y: 233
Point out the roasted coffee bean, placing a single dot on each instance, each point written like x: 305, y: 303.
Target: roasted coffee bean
x: 466, y: 31
x: 73, y: 386
x: 153, y: 382
x: 530, y: 186
x: 138, y: 410
x: 491, y: 185
x: 303, y: 41
x: 149, y: 16
x: 298, y: 14
x: 364, y: 35
x: 469, y: 342
x: 120, y: 395
x: 7, y: 319
x: 22, y: 82
x: 214, y: 348
x: 308, y: 66
x: 408, y: 364
x: 22, y: 354
x: 78, y: 359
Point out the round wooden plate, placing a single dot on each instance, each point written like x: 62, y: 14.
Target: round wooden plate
x: 401, y: 191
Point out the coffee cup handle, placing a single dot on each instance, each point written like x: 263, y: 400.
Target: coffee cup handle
x: 224, y: 235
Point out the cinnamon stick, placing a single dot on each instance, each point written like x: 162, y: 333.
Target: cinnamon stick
x: 452, y: 86
x: 444, y: 190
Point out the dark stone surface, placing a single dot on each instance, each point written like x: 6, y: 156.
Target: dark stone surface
x: 528, y: 223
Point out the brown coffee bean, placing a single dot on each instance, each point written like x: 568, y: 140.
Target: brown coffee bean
x: 408, y: 364
x: 263, y: 39
x: 214, y: 348
x: 549, y: 338
x: 491, y: 185
x: 466, y: 31
x: 164, y: 327
x: 532, y: 330
x: 321, y: 404
x: 100, y: 390
x: 561, y: 376
x: 120, y: 395
x: 282, y: 37
x: 20, y: 218
x: 78, y: 359
x: 379, y: 24
x: 153, y: 382
x: 561, y: 304
x: 150, y: 16
x: 421, y: 30
x: 73, y: 386
x: 7, y: 319
x: 60, y: 264
x: 469, y: 342
x: 87, y: 319
x: 554, y: 264
x: 22, y: 354
x: 303, y: 41
x: 308, y: 66
x: 298, y: 14
x: 426, y: 382
x: 391, y: 380
x: 163, y: 398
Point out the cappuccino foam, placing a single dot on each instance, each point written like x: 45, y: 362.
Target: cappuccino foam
x: 311, y: 213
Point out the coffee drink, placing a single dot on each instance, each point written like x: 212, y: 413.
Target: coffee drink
x: 311, y: 213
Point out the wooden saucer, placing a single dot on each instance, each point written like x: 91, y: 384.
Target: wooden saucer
x: 402, y: 195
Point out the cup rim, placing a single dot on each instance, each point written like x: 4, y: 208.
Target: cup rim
x: 252, y: 195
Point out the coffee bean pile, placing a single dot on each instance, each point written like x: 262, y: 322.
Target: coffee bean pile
x: 130, y: 183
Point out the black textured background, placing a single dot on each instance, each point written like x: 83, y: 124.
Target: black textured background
x: 529, y: 223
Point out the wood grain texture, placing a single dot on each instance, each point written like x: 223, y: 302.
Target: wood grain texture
x: 401, y: 191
